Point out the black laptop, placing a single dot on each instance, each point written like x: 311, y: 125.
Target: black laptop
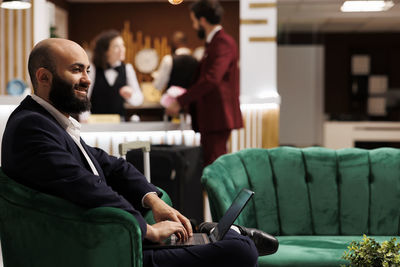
x: 217, y: 234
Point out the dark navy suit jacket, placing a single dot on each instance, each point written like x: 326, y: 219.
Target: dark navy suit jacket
x: 39, y: 153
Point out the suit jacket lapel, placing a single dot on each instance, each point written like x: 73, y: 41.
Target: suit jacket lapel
x: 92, y: 158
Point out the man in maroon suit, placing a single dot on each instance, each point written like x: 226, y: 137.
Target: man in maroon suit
x: 215, y: 93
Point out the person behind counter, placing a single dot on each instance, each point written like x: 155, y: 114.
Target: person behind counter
x: 114, y: 82
x: 177, y: 69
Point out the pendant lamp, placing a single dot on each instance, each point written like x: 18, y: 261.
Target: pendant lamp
x: 16, y: 4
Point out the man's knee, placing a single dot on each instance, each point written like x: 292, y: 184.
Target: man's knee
x: 242, y: 251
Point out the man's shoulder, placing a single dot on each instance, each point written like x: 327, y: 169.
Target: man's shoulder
x: 29, y: 114
x: 221, y: 38
x: 28, y: 107
x: 222, y: 34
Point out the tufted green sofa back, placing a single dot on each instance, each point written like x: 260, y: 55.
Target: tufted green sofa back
x: 310, y: 191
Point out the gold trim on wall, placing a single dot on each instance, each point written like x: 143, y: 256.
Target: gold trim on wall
x: 260, y: 130
x: 16, y: 35
x: 32, y: 23
x: 14, y: 42
x: 262, y: 5
x: 6, y: 46
x: 270, y: 126
x: 15, y: 50
x: 262, y: 39
x: 253, y: 21
x: 24, y: 56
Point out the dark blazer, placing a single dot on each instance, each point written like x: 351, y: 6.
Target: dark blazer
x: 216, y: 89
x: 39, y: 153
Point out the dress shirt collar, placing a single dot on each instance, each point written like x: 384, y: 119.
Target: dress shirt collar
x: 72, y: 126
x: 211, y: 35
x: 183, y: 51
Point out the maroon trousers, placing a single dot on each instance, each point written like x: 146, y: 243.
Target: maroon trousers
x: 214, y: 145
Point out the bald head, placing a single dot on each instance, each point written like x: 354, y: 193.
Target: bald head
x: 179, y: 39
x: 48, y: 53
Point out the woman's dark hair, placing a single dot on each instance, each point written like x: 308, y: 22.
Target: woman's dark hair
x: 102, y: 43
x: 211, y: 10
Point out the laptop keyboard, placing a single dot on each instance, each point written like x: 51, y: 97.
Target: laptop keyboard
x: 196, y: 239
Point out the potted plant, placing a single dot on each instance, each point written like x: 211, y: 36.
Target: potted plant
x: 369, y: 252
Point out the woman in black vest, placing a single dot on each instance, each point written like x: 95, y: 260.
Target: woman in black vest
x: 113, y: 81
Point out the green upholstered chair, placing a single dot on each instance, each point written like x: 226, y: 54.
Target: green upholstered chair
x: 314, y: 200
x: 40, y: 230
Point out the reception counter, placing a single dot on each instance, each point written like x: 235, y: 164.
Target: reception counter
x: 344, y: 134
x: 108, y: 136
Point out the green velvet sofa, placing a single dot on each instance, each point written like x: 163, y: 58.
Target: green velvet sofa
x: 40, y: 230
x: 314, y: 200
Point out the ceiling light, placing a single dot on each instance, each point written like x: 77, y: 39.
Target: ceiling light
x: 175, y: 2
x: 366, y: 6
x: 16, y: 4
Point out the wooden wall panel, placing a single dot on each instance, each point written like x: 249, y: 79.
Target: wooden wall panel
x: 155, y: 19
x: 15, y: 45
x: 260, y: 129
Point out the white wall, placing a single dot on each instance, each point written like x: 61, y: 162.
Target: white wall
x: 258, y: 58
x: 41, y: 21
x: 300, y: 85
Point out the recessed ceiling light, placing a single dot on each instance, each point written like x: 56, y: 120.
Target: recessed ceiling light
x: 366, y: 6
x: 16, y: 4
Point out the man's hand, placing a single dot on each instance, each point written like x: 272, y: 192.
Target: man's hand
x: 173, y: 109
x: 163, y: 212
x: 126, y: 92
x: 162, y: 230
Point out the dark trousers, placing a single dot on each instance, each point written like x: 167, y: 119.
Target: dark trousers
x: 214, y: 145
x: 234, y: 250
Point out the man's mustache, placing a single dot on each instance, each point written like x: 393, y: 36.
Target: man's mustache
x: 81, y: 85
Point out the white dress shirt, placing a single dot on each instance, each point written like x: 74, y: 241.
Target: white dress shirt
x: 210, y: 36
x: 162, y: 75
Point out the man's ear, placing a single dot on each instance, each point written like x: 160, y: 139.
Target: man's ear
x: 202, y: 21
x: 44, y: 77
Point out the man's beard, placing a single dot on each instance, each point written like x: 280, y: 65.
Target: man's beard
x: 63, y: 98
x: 201, y: 33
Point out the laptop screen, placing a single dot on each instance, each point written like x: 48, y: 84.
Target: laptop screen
x: 231, y: 214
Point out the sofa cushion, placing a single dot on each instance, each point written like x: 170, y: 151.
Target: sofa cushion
x: 292, y: 191
x: 353, y: 179
x: 312, y: 250
x: 385, y: 173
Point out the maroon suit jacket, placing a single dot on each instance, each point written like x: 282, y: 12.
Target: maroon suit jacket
x: 215, y: 93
